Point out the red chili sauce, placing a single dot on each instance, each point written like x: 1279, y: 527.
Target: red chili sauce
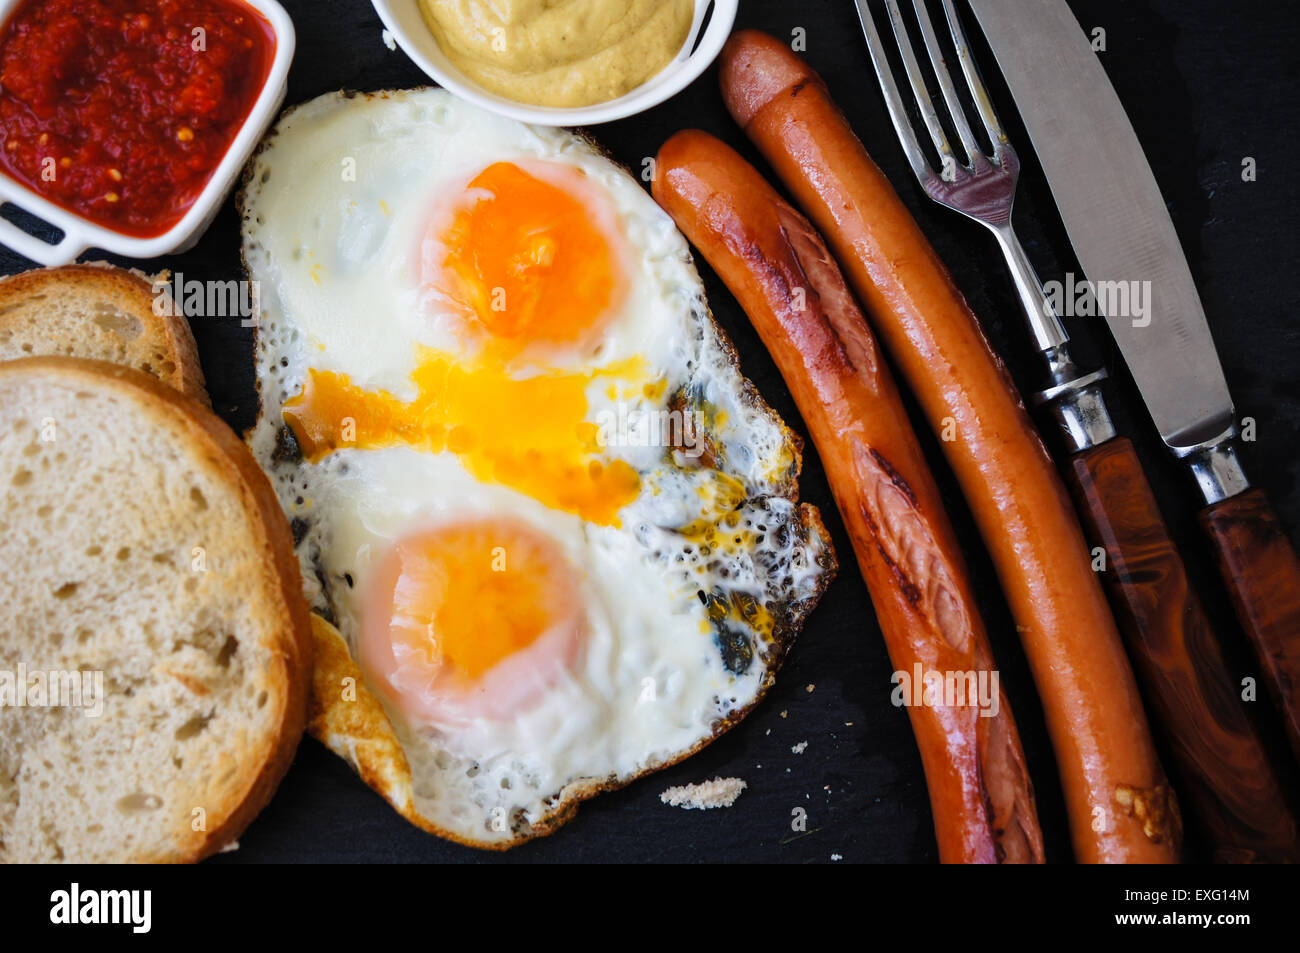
x: 120, y: 110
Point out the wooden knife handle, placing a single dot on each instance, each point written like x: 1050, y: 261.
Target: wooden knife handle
x: 1218, y: 757
x: 1260, y: 567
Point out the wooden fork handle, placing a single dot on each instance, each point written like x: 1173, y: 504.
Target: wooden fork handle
x: 1225, y: 773
x: 1260, y: 567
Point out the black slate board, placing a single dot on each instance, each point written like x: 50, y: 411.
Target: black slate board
x: 1206, y: 84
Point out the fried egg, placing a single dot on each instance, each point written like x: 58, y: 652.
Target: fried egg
x: 556, y: 528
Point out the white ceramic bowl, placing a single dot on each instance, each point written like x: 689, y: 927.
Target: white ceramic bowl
x: 80, y: 233
x: 404, y: 22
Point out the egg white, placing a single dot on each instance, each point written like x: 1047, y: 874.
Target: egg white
x: 649, y: 683
x: 336, y: 256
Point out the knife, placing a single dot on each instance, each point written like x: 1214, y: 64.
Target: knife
x: 1121, y: 232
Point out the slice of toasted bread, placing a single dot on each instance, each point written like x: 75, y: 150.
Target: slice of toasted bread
x: 101, y: 312
x: 147, y: 562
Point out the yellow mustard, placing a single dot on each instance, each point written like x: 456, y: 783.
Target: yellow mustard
x: 562, y: 53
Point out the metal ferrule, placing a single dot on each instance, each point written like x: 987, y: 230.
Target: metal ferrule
x: 1075, y: 403
x: 1215, y: 467
x: 1073, y: 400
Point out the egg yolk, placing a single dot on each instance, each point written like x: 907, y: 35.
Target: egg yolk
x: 526, y: 262
x: 530, y: 433
x: 472, y: 619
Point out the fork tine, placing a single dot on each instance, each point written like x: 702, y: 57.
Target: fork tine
x: 894, y: 100
x: 917, y: 80
x: 983, y: 104
x: 974, y: 153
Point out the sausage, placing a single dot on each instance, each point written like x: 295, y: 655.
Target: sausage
x: 1120, y: 805
x: 778, y: 268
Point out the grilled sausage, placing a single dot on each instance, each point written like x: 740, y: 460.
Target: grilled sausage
x: 781, y: 273
x: 1120, y: 805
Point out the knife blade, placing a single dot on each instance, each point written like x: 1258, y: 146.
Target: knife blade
x: 1119, y: 226
x: 1113, y: 211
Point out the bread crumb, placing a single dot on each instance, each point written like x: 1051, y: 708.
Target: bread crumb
x: 720, y: 792
x: 389, y: 41
x: 811, y: 686
x: 800, y: 748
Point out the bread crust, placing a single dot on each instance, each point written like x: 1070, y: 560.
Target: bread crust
x: 217, y: 446
x: 170, y: 330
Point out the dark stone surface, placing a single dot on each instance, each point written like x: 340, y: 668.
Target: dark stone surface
x: 1206, y: 84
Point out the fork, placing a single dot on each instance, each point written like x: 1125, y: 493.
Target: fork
x: 983, y: 188
x: 1158, y: 610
